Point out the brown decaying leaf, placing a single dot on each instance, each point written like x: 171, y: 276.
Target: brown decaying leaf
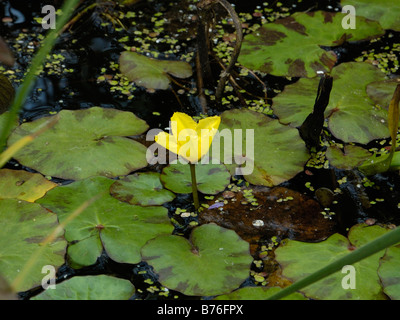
x: 278, y: 212
x: 6, y: 55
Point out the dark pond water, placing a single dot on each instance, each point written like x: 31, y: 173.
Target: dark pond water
x: 71, y: 83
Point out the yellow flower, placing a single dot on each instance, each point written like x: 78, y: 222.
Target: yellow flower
x: 189, y: 139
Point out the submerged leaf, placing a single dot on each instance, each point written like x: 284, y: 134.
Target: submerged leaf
x: 152, y: 73
x: 6, y: 56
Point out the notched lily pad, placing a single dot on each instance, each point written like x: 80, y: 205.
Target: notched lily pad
x: 144, y: 189
x: 352, y: 115
x: 384, y: 11
x: 389, y: 272
x: 24, y: 225
x: 213, y: 261
x: 117, y: 227
x: 381, y: 92
x: 210, y: 178
x: 152, y: 73
x: 269, y: 153
x: 84, y: 143
x: 350, y: 158
x: 23, y: 185
x: 299, y: 259
x: 101, y: 287
x: 292, y: 46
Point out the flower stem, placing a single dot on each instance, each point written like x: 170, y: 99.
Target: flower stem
x: 194, y: 186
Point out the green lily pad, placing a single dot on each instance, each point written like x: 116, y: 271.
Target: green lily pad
x: 384, y: 11
x: 299, y: 259
x: 381, y: 92
x: 210, y: 178
x: 23, y: 185
x: 117, y: 227
x: 24, y: 225
x: 351, y: 157
x: 100, y: 287
x: 389, y: 272
x: 84, y: 143
x: 352, y: 115
x: 292, y: 46
x: 144, y: 189
x: 270, y: 152
x: 213, y: 261
x: 257, y: 293
x: 152, y: 73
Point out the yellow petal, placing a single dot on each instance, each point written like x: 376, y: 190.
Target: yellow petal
x: 188, y: 142
x: 208, y: 123
x: 180, y: 121
x: 167, y: 141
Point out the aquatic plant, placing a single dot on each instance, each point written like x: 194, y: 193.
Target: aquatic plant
x: 190, y: 140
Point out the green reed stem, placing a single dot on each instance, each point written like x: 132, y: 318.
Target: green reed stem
x: 383, y: 242
x: 37, y: 61
x: 194, y: 186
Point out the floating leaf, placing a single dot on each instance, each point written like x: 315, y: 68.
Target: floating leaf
x: 261, y: 212
x: 350, y: 158
x: 152, y: 73
x: 389, y: 272
x: 292, y: 46
x: 117, y: 227
x: 384, y: 11
x: 24, y: 225
x: 84, y: 143
x: 144, y: 189
x: 381, y: 92
x: 101, y: 287
x: 299, y: 259
x: 257, y: 293
x: 211, y: 178
x: 270, y: 152
x: 23, y: 185
x: 213, y: 261
x: 353, y: 117
x: 383, y: 163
